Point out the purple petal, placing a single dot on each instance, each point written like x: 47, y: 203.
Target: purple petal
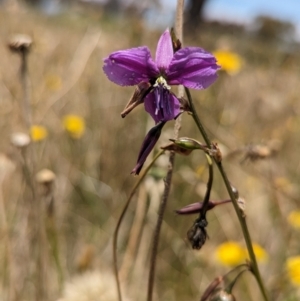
x: 130, y: 67
x: 164, y: 51
x: 192, y: 67
x: 147, y: 146
x: 162, y: 105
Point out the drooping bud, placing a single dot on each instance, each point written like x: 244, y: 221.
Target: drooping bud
x: 147, y: 146
x: 197, y: 234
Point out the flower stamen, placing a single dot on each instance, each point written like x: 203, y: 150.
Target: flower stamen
x: 161, y: 95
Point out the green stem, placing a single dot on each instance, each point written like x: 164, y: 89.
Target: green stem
x: 208, y: 188
x: 115, y: 236
x: 240, y: 215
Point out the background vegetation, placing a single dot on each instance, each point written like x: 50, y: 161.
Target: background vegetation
x: 56, y: 236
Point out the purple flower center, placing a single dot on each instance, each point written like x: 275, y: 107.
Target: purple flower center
x: 161, y: 90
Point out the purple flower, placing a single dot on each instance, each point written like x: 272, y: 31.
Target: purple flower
x: 192, y: 67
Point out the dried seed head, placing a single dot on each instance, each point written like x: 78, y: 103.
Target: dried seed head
x: 20, y: 140
x: 20, y: 43
x: 45, y: 176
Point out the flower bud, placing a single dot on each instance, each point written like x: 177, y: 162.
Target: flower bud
x: 197, y: 234
x: 188, y: 143
x: 147, y: 146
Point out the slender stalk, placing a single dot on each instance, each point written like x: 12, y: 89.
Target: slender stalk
x: 168, y: 180
x: 209, y: 186
x: 156, y: 234
x: 8, y: 260
x: 36, y: 217
x: 241, y: 217
x: 116, y: 232
x: 26, y: 88
x: 36, y: 205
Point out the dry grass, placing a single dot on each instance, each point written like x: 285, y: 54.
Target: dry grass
x: 258, y: 105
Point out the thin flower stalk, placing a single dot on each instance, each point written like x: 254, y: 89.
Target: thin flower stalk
x: 116, y: 232
x: 241, y: 217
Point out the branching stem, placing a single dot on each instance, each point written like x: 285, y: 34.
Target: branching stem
x: 241, y: 217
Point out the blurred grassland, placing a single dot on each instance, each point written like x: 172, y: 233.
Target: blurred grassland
x: 259, y: 105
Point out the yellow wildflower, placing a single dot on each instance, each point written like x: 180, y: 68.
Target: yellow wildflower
x: 38, y: 132
x: 293, y: 269
x: 74, y: 125
x: 230, y: 254
x: 229, y: 61
x: 294, y: 219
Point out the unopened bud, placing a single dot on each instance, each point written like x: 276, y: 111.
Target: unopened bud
x: 197, y: 234
x: 147, y: 146
x: 188, y: 143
